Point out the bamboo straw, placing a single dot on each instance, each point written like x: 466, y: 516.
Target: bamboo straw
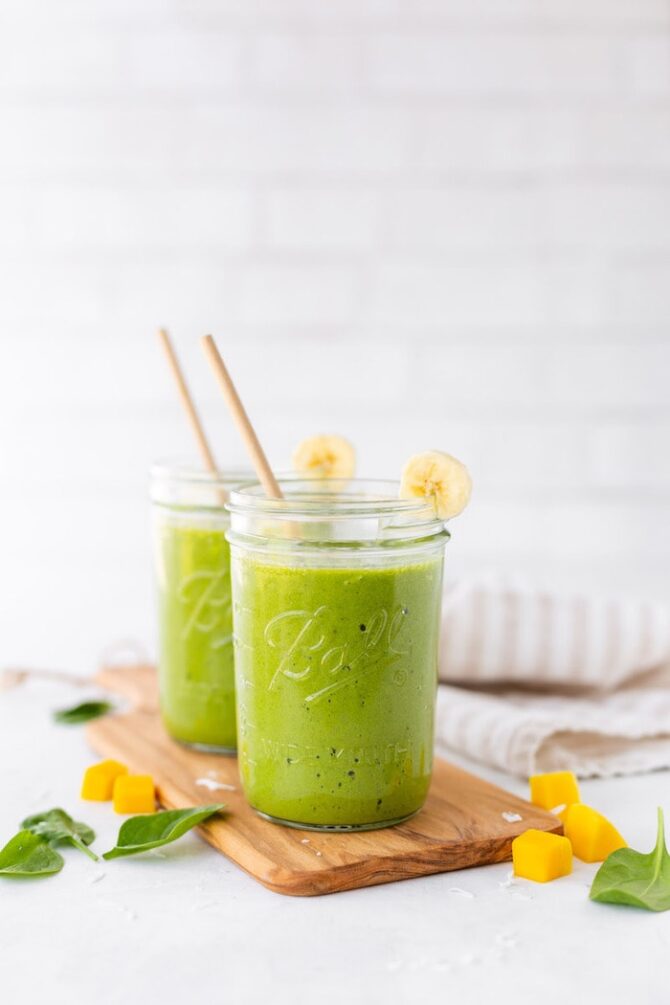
x: 241, y: 419
x: 189, y: 407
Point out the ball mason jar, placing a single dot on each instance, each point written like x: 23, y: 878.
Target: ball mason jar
x: 192, y: 572
x: 336, y: 611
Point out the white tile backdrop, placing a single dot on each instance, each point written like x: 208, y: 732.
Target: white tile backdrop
x: 416, y: 222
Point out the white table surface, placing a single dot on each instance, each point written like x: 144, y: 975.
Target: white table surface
x: 188, y: 923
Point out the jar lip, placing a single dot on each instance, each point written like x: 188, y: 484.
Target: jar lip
x: 185, y: 473
x: 332, y: 498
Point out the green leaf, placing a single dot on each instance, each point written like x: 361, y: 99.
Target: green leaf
x: 83, y: 712
x: 27, y: 854
x: 152, y: 830
x: 57, y: 826
x: 628, y: 877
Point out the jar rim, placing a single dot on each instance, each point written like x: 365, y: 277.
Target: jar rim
x: 332, y: 499
x: 185, y: 473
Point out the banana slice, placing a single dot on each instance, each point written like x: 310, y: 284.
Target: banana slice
x: 325, y: 456
x: 439, y: 477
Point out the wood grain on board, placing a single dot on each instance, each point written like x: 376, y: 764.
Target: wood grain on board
x: 461, y: 825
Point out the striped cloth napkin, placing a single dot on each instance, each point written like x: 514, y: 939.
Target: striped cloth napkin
x: 537, y: 681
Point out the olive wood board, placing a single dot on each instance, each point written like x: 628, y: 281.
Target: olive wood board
x: 461, y: 824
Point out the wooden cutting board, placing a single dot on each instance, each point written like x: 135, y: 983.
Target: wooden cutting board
x: 461, y: 825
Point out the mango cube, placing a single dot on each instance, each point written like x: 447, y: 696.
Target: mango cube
x: 134, y: 794
x: 541, y: 856
x: 98, y: 783
x: 591, y: 834
x: 555, y: 788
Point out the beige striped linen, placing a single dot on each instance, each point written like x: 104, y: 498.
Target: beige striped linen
x: 532, y: 680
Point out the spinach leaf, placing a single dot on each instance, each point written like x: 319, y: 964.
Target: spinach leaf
x: 27, y: 854
x: 83, y: 712
x: 152, y: 830
x: 56, y: 826
x: 629, y: 877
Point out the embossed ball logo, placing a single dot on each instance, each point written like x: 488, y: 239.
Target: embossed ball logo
x: 205, y: 598
x: 309, y: 647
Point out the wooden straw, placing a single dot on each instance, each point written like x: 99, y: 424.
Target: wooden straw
x: 190, y: 409
x: 241, y: 419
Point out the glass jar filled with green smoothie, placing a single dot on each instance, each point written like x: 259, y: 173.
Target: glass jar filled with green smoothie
x: 192, y: 571
x: 336, y: 591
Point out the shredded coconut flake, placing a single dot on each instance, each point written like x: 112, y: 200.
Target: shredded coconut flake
x: 461, y: 892
x: 212, y: 786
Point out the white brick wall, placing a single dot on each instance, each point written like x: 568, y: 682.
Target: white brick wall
x: 417, y: 222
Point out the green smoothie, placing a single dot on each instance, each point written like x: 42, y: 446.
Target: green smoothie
x: 196, y: 676
x: 336, y: 672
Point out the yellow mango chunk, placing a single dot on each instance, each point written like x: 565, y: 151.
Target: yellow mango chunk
x: 134, y: 794
x: 591, y: 834
x: 98, y: 783
x: 541, y: 856
x: 555, y: 788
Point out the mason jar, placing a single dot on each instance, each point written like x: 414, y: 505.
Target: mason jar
x: 195, y: 636
x: 336, y: 613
